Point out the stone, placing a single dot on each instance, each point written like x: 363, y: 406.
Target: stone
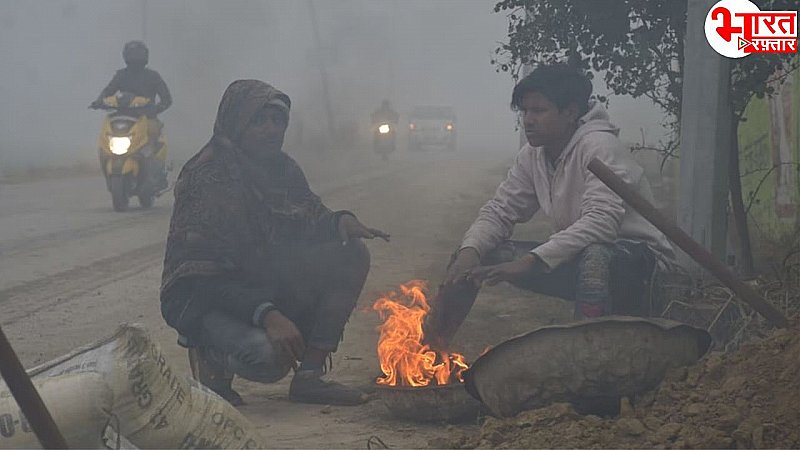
x: 593, y: 420
x: 734, y: 384
x: 653, y: 423
x: 758, y: 437
x: 729, y: 418
x: 562, y: 409
x: 694, y: 409
x: 693, y: 377
x: 668, y: 432
x: 625, y: 408
x: 741, y: 404
x: 707, y: 437
x: 743, y: 438
x: 631, y: 427
x: 677, y: 374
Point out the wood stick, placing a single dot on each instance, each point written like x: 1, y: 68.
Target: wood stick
x: 28, y: 398
x: 687, y: 244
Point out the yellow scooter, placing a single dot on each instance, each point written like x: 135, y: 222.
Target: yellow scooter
x: 132, y: 151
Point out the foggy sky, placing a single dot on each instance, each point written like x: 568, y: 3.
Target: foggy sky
x: 56, y: 56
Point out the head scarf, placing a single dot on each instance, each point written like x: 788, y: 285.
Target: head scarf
x: 228, y: 209
x: 240, y: 102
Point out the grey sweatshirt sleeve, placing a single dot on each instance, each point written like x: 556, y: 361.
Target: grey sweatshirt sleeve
x: 602, y: 211
x: 514, y: 201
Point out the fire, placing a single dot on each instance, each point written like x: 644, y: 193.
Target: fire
x: 405, y: 360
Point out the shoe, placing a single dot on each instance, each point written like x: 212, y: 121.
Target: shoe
x: 213, y: 375
x: 309, y: 387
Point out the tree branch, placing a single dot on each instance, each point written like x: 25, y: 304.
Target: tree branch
x: 761, y: 182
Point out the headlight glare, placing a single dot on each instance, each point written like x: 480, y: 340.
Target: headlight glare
x: 119, y: 145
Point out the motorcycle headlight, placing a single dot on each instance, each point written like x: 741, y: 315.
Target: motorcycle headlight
x: 119, y: 145
x: 383, y: 129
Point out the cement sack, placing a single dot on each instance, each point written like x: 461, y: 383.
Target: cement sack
x: 593, y: 362
x: 153, y: 406
x: 80, y: 405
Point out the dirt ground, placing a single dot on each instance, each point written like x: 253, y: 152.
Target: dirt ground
x: 743, y: 399
x: 73, y: 270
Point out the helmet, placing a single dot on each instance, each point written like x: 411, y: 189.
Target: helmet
x: 135, y: 53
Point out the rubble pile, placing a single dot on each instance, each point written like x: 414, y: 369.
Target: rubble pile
x: 743, y: 399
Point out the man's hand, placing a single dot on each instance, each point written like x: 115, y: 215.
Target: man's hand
x: 509, y: 271
x: 467, y: 259
x: 284, y: 335
x: 351, y: 228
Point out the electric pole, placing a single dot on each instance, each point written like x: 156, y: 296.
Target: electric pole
x: 705, y: 138
x: 322, y: 70
x: 144, y: 21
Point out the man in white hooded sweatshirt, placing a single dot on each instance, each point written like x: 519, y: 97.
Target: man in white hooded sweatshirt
x: 602, y: 254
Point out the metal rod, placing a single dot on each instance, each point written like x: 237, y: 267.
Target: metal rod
x: 687, y: 244
x: 28, y: 398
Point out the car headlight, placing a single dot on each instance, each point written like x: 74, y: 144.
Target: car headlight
x: 449, y: 127
x: 383, y: 129
x: 119, y: 145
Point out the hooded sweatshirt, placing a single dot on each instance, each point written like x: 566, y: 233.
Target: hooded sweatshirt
x: 581, y: 208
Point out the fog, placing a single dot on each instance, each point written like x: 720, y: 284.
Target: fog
x: 57, y: 56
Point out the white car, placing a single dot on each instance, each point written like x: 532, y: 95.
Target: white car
x: 432, y: 127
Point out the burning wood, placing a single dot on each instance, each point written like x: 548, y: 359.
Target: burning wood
x: 404, y: 359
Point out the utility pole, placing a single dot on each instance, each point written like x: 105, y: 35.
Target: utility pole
x: 705, y: 139
x: 392, y: 52
x: 322, y: 70
x: 526, y: 70
x: 144, y: 21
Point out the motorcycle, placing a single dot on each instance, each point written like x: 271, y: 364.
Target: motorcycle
x: 132, y: 152
x: 384, y: 137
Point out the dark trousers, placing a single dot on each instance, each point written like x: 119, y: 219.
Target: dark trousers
x: 317, y: 287
x: 602, y: 279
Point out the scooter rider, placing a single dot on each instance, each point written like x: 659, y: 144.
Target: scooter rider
x: 383, y: 138
x: 385, y: 114
x: 140, y: 81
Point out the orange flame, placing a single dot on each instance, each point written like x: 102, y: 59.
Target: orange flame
x: 405, y: 360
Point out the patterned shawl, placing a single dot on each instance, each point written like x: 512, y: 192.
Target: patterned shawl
x: 229, y: 209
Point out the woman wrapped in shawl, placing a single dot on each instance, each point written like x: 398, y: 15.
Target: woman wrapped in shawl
x: 259, y: 274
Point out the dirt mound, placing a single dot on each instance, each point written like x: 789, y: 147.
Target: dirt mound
x: 744, y: 399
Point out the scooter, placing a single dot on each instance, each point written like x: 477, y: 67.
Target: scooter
x: 132, y: 151
x: 384, y: 139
